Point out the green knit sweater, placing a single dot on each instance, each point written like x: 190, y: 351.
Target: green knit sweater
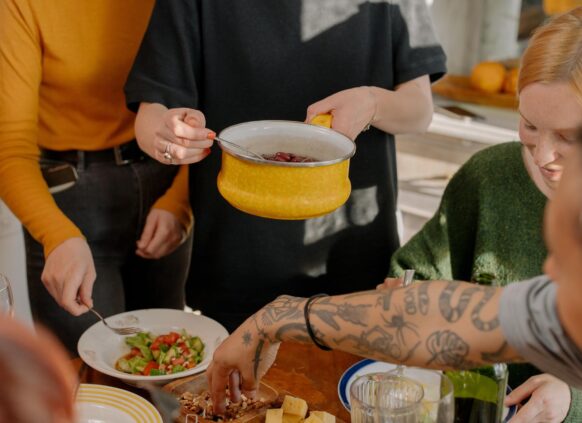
x: 489, y: 223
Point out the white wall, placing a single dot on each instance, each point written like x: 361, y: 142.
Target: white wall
x: 471, y: 31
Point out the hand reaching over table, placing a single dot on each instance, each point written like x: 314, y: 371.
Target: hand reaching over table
x: 549, y: 400
x: 239, y: 363
x: 420, y: 325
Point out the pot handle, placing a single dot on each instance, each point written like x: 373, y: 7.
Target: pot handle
x: 322, y: 120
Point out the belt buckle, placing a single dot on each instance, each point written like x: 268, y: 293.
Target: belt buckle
x: 119, y: 160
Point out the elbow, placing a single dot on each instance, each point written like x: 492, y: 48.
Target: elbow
x: 425, y: 120
x: 425, y: 114
x: 419, y: 125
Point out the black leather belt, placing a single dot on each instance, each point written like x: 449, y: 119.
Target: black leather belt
x: 120, y: 155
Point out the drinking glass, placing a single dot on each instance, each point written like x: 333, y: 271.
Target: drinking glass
x: 385, y: 398
x: 6, y: 299
x: 438, y: 403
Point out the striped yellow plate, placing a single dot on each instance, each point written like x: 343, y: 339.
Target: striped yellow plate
x: 100, y: 404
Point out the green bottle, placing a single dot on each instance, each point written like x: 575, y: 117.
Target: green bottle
x: 480, y: 392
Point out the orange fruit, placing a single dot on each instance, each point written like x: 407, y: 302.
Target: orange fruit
x: 322, y: 120
x: 488, y: 77
x: 552, y: 7
x: 510, y: 83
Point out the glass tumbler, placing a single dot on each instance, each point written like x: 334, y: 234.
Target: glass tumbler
x: 438, y: 403
x: 385, y: 398
x: 6, y: 298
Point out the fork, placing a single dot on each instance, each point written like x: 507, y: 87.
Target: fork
x: 128, y: 330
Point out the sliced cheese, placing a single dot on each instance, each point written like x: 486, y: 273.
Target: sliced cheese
x: 312, y: 419
x: 292, y: 418
x: 274, y: 415
x: 295, y: 406
x: 324, y: 416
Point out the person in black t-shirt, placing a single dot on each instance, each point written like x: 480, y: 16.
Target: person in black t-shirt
x: 220, y: 62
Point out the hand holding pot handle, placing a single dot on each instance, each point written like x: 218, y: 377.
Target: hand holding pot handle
x: 322, y: 120
x: 352, y: 110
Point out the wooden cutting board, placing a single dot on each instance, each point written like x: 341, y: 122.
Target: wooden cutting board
x: 458, y: 87
x: 198, y: 383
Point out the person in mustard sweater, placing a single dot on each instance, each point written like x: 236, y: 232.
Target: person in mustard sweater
x: 489, y: 223
x: 117, y: 238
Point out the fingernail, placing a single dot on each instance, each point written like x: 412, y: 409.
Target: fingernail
x: 211, y: 135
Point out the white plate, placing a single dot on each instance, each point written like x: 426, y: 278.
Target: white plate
x: 367, y: 366
x: 100, y: 404
x: 100, y: 347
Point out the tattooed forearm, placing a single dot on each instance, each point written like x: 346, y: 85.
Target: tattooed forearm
x: 401, y: 325
x: 360, y: 294
x: 453, y: 314
x: 405, y: 325
x: 378, y: 342
x: 502, y: 355
x: 416, y: 299
x: 333, y: 314
x: 294, y: 331
x: 283, y: 308
x: 480, y: 324
x: 423, y: 298
x: 410, y: 301
x: 384, y: 299
x: 397, y: 339
x: 447, y: 349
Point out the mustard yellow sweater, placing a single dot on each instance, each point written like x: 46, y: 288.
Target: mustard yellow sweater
x: 63, y: 64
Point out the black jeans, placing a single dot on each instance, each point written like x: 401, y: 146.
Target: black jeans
x: 109, y: 204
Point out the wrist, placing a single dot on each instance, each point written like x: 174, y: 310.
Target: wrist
x: 373, y: 105
x: 310, y: 331
x: 282, y: 320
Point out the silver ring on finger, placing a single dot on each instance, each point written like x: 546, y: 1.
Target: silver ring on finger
x: 167, y: 155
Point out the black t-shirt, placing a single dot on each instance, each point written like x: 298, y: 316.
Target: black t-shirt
x: 248, y: 60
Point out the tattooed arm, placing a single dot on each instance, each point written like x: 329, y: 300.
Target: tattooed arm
x: 433, y: 324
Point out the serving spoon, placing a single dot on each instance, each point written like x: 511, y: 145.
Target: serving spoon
x: 241, y: 148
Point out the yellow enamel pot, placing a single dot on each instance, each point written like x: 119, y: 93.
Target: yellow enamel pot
x: 285, y: 190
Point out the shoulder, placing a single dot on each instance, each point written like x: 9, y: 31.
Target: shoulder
x: 508, y: 153
x: 494, y: 162
x: 486, y: 168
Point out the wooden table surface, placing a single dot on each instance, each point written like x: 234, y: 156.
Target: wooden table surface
x: 302, y: 370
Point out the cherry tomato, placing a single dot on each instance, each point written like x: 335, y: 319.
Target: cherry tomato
x: 148, y: 368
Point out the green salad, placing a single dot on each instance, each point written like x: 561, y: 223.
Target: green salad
x: 165, y: 354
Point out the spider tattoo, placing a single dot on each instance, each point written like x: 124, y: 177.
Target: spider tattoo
x: 397, y: 322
